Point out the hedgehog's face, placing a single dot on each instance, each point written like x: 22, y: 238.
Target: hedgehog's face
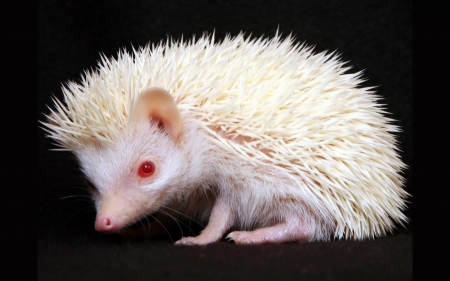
x: 136, y: 173
x: 131, y: 177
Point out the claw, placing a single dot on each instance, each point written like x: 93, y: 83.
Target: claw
x: 183, y: 242
x: 230, y: 236
x: 179, y: 242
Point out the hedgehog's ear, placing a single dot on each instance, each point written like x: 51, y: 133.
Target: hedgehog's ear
x: 157, y: 103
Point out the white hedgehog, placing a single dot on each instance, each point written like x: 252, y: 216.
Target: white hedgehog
x: 257, y: 135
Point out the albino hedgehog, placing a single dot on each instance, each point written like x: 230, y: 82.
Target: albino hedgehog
x: 261, y: 136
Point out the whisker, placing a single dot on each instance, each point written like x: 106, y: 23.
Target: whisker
x: 77, y: 198
x: 72, y: 196
x: 163, y: 227
x: 85, y: 212
x: 140, y: 221
x: 78, y: 211
x: 181, y: 214
x: 149, y: 226
x: 176, y: 221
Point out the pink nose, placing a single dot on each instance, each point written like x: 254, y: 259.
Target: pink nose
x: 105, y: 223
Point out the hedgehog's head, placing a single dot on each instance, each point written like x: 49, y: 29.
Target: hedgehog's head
x: 139, y: 170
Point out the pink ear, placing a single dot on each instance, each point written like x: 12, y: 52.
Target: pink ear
x: 158, y: 104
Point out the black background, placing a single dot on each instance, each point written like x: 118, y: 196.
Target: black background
x: 375, y: 36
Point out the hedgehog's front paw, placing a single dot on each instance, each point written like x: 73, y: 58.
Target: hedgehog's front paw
x: 189, y: 241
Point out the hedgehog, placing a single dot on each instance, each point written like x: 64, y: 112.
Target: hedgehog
x: 260, y: 139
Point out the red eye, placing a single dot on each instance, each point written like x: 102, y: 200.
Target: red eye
x: 147, y: 169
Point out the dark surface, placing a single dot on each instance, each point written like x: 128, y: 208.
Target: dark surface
x: 374, y: 35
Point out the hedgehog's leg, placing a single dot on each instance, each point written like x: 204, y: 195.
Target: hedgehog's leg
x: 290, y: 231
x: 219, y: 222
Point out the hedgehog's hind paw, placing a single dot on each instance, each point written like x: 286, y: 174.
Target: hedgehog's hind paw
x: 280, y: 233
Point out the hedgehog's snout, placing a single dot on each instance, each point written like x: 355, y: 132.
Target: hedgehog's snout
x: 115, y: 211
x: 105, y: 223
